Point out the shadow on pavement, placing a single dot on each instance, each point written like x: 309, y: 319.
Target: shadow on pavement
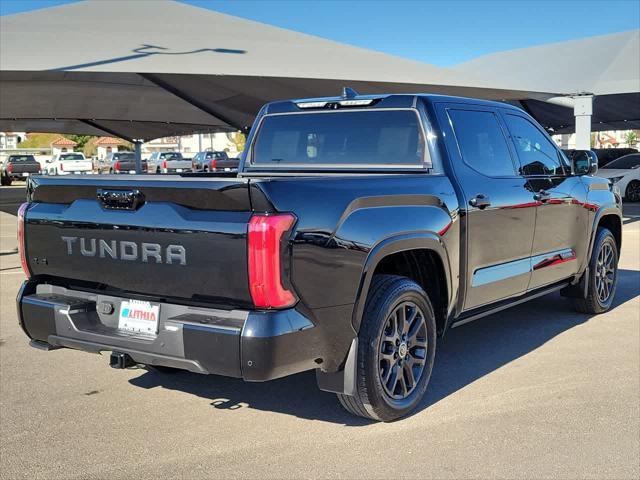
x: 463, y: 356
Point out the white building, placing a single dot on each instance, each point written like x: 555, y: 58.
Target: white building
x: 106, y: 145
x: 62, y: 145
x: 10, y: 140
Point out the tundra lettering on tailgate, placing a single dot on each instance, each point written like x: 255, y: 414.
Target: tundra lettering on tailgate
x: 125, y: 250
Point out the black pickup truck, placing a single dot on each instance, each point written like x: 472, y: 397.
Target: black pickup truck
x: 18, y: 167
x: 357, y: 231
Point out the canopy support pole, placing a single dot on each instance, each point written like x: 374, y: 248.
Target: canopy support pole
x: 137, y: 144
x: 582, y: 111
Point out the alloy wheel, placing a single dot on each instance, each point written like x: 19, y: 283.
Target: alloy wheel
x: 402, y: 351
x: 605, y: 272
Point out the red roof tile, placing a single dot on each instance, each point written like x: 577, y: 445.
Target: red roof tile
x: 63, y: 142
x: 108, y: 141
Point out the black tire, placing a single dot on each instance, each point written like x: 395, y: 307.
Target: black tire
x: 599, y: 282
x: 158, y: 171
x: 632, y: 192
x: 388, y: 295
x: 5, y: 180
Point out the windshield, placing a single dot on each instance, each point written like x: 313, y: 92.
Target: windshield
x: 626, y: 162
x: 342, y: 139
x: 72, y: 156
x: 22, y: 158
x: 171, y: 156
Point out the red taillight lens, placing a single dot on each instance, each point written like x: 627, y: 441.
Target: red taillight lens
x: 21, y: 245
x: 265, y: 266
x: 164, y: 164
x: 62, y: 166
x: 118, y: 165
x: 213, y: 163
x: 9, y: 168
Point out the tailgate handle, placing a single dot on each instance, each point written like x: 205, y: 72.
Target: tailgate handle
x: 120, y: 199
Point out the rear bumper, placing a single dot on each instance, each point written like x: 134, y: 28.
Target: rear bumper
x: 252, y: 345
x: 21, y: 175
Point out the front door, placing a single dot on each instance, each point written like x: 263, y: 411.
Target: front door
x: 500, y: 212
x: 561, y: 217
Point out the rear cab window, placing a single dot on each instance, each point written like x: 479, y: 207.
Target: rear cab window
x: 21, y: 158
x: 481, y: 141
x: 343, y: 139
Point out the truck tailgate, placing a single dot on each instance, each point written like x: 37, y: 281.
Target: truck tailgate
x: 181, y: 238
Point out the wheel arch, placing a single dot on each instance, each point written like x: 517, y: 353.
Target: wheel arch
x: 610, y: 219
x: 399, y: 255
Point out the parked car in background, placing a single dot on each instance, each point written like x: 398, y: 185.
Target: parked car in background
x: 214, y: 162
x: 69, y: 163
x: 624, y: 173
x: 168, y: 162
x: 608, y: 155
x: 18, y: 167
x: 120, y: 162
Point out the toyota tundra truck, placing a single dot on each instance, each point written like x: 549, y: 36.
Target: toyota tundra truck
x: 358, y: 230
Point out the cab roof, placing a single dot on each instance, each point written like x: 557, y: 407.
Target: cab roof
x: 354, y: 100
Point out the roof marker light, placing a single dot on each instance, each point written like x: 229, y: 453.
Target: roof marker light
x: 311, y: 104
x: 355, y: 103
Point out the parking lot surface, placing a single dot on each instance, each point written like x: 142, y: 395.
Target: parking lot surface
x: 537, y: 391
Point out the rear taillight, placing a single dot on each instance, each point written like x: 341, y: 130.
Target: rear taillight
x: 62, y: 166
x: 164, y: 164
x: 117, y: 166
x: 265, y: 264
x: 21, y: 244
x: 9, y: 168
x: 213, y: 163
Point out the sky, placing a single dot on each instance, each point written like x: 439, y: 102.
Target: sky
x: 440, y: 32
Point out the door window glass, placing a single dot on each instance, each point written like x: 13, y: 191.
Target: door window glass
x: 481, y: 142
x: 538, y: 155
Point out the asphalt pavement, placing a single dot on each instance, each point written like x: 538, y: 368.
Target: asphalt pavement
x: 537, y: 391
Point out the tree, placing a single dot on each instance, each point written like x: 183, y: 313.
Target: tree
x: 81, y: 140
x: 239, y: 140
x: 631, y: 138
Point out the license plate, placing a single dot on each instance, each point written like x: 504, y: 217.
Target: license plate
x: 139, y: 317
x: 179, y: 170
x: 25, y: 174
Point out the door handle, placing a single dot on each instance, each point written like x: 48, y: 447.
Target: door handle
x: 542, y: 196
x: 480, y: 201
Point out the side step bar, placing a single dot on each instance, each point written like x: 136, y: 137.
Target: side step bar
x: 475, y: 315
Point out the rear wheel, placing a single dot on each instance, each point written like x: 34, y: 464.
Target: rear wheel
x: 5, y: 180
x: 396, y: 350
x: 632, y: 193
x: 603, y: 275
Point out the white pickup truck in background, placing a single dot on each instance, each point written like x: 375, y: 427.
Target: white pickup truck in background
x: 68, y: 163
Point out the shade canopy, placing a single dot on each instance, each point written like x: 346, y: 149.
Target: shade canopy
x: 151, y: 69
x: 607, y: 66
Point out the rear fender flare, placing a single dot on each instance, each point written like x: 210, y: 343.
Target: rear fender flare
x: 396, y: 244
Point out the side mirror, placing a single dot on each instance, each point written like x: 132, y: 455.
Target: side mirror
x: 585, y: 162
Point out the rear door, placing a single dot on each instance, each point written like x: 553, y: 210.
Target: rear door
x: 561, y: 217
x: 499, y: 210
